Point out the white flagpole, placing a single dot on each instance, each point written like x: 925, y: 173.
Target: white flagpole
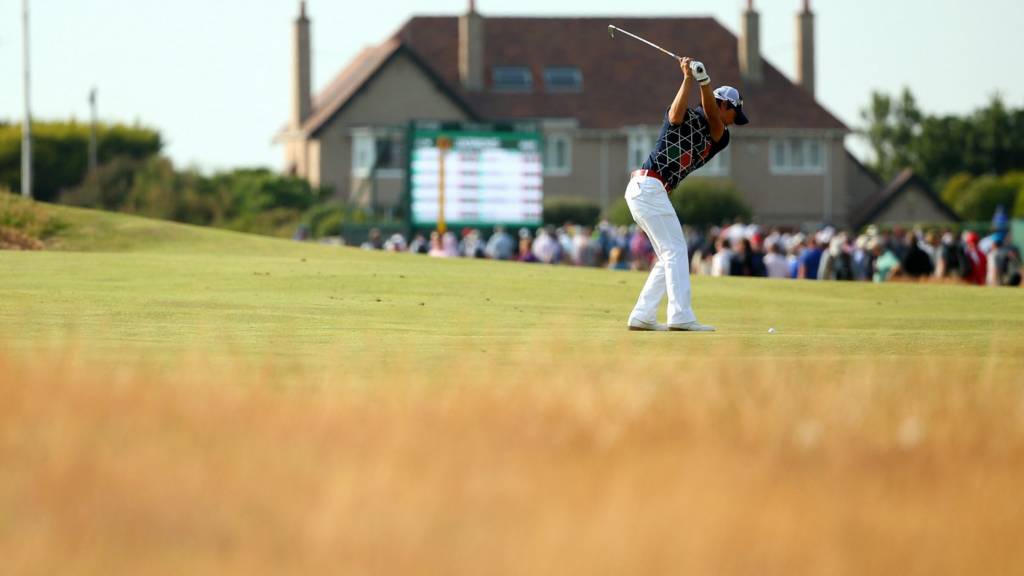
x: 26, y: 127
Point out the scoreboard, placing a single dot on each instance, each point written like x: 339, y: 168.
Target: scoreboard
x: 474, y: 175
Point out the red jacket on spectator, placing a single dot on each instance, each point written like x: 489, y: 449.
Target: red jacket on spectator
x: 979, y: 263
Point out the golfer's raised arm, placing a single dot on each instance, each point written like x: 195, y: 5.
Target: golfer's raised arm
x: 677, y: 112
x: 707, y: 101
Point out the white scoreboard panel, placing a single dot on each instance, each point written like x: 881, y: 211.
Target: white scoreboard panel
x: 489, y: 176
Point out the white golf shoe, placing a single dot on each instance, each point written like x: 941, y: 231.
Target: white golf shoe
x: 691, y: 327
x: 641, y: 326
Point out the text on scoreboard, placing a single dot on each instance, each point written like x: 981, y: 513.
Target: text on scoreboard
x: 485, y: 176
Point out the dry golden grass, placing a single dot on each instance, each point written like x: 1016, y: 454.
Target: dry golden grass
x: 525, y: 465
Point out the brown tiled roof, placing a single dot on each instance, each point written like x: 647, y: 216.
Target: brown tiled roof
x: 876, y: 204
x: 349, y: 80
x: 624, y: 82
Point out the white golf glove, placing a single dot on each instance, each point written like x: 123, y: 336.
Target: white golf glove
x: 700, y: 73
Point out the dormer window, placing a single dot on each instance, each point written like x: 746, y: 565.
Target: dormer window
x: 512, y: 79
x: 563, y: 79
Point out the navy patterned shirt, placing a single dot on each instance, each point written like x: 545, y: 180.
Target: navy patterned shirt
x: 684, y: 147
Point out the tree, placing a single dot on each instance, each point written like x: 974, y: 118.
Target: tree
x: 976, y: 198
x: 987, y: 141
x: 61, y: 149
x: 700, y: 202
x: 892, y: 126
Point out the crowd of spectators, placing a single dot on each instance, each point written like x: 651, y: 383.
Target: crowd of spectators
x: 743, y: 250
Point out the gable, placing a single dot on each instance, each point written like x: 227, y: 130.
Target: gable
x: 914, y: 204
x: 399, y: 91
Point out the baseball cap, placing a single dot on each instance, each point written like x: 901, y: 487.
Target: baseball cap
x: 732, y: 96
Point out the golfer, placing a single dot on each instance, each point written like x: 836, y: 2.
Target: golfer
x: 689, y: 139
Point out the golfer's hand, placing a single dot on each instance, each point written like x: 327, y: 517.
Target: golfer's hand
x: 700, y: 73
x: 684, y: 64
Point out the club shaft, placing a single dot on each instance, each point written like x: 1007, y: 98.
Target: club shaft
x: 651, y: 44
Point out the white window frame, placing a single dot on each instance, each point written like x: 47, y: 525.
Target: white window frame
x: 550, y: 146
x: 640, y: 142
x: 792, y: 156
x: 364, y: 153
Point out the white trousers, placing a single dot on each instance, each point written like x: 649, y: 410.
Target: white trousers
x: 649, y: 204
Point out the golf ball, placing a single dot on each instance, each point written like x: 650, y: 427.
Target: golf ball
x: 771, y: 330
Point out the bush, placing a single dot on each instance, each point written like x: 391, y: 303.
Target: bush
x: 25, y: 224
x: 247, y: 200
x: 328, y: 219
x: 60, y: 153
x: 561, y: 209
x: 703, y: 203
x: 956, y: 188
x: 108, y: 188
x: 278, y: 221
x: 619, y: 214
x: 978, y: 202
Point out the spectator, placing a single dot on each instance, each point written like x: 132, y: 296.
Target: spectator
x: 976, y: 259
x: 396, y: 243
x: 500, y: 246
x: 472, y: 245
x: 1006, y: 262
x: 419, y: 245
x: 546, y: 248
x: 450, y: 245
x: 721, y: 262
x: 616, y: 260
x: 641, y: 250
x: 526, y: 247
x: 436, y: 245
x: 809, y: 260
x: 862, y: 261
x: 836, y: 262
x: 887, y: 264
x: 588, y: 251
x: 742, y: 261
x: 951, y: 261
x: 775, y: 262
x: 915, y: 262
x: 375, y: 241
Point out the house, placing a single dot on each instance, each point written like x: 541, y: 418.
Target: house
x: 907, y: 199
x: 598, y: 101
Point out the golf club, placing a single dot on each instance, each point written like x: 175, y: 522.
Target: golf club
x: 613, y: 29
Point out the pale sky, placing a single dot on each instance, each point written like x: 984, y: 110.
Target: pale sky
x: 213, y: 75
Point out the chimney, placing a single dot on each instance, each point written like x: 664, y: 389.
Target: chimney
x: 302, y: 102
x: 805, y: 48
x: 471, y: 49
x: 750, y: 46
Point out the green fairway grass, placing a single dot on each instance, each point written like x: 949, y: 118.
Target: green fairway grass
x: 120, y: 284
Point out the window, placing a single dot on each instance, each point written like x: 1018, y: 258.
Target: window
x: 797, y: 156
x: 557, y: 155
x: 513, y: 79
x: 718, y: 166
x: 563, y: 79
x: 640, y: 143
x: 381, y: 150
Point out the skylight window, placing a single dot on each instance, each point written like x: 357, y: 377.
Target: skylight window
x: 563, y: 79
x: 513, y: 79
